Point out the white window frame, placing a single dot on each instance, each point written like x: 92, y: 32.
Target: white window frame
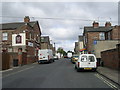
x: 5, y: 36
x: 102, y: 36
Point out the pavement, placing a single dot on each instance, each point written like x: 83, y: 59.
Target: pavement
x: 109, y: 73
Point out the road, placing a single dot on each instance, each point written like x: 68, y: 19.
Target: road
x: 59, y: 74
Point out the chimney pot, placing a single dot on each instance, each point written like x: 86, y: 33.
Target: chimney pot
x: 95, y: 24
x: 26, y: 19
x: 107, y: 24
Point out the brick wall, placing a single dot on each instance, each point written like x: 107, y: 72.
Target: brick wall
x: 111, y: 58
x: 91, y: 36
x: 116, y: 33
x: 45, y: 46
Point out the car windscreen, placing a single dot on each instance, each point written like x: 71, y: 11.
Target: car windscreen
x: 75, y: 56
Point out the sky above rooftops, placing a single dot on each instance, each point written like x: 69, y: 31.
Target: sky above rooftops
x: 62, y: 21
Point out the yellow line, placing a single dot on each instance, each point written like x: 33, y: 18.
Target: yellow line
x: 105, y: 81
x: 18, y: 72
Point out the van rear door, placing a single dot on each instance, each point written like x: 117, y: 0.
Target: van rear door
x: 43, y: 54
x: 91, y: 61
x: 83, y: 61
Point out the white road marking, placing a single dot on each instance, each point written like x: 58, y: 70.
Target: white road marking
x: 18, y: 71
x: 105, y: 81
x: 6, y: 70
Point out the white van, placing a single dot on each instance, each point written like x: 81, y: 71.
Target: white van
x: 86, y: 62
x: 45, y: 55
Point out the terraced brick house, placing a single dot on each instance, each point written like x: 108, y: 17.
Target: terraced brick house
x: 24, y: 36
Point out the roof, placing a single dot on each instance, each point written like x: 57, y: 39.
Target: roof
x: 15, y: 25
x: 99, y: 29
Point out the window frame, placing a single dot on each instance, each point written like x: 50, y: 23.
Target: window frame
x: 4, y: 37
x: 101, y: 36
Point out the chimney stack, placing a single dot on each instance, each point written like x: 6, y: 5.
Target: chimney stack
x: 26, y: 19
x: 95, y: 24
x: 107, y: 24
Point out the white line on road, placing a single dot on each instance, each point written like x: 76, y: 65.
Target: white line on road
x: 18, y: 71
x: 105, y: 81
x: 6, y: 70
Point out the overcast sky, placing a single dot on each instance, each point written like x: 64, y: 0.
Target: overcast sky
x: 74, y: 16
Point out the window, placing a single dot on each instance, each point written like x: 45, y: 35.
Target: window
x: 18, y: 39
x: 84, y: 58
x: 5, y: 36
x: 30, y: 36
x: 109, y: 36
x: 102, y: 36
x: 91, y: 58
x: 9, y: 49
x: 42, y: 39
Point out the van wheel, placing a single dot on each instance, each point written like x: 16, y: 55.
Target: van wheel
x: 94, y: 70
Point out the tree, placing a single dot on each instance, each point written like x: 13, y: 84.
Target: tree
x: 61, y: 51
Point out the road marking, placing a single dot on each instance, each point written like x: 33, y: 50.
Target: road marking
x: 18, y: 71
x: 105, y: 81
x: 6, y: 70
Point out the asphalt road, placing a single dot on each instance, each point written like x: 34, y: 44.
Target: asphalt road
x: 59, y: 74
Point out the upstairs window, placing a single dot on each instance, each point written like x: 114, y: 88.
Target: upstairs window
x: 42, y: 39
x: 109, y: 36
x: 102, y: 36
x: 5, y: 36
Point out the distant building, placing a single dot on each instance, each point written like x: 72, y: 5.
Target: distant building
x: 79, y: 45
x: 45, y: 42
x: 76, y: 49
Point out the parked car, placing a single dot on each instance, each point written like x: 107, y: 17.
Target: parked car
x: 69, y: 55
x: 45, y: 55
x: 55, y: 57
x: 86, y: 62
x: 65, y: 56
x: 74, y: 58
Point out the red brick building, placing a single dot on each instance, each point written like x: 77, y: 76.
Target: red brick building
x: 93, y: 33
x: 113, y: 34
x: 24, y: 36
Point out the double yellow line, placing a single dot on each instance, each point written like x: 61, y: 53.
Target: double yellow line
x: 106, y: 82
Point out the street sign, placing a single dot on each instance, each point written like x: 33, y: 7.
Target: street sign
x: 95, y: 42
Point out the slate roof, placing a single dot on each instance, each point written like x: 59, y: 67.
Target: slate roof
x: 12, y: 26
x: 99, y: 29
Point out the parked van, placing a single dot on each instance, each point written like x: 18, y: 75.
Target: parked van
x: 86, y: 62
x: 45, y: 55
